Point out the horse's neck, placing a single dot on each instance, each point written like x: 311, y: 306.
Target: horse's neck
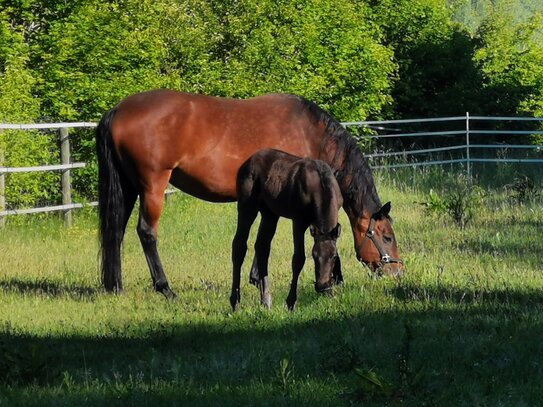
x: 353, y: 174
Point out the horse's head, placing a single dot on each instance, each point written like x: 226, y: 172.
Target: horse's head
x: 326, y: 257
x: 375, y: 242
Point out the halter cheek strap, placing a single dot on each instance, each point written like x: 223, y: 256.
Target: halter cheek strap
x: 385, y: 257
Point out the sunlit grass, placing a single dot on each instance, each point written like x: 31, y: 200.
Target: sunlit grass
x: 462, y: 327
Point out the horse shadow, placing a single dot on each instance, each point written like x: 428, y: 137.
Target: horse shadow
x: 47, y: 288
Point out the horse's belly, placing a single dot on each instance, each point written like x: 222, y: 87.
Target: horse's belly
x: 209, y: 188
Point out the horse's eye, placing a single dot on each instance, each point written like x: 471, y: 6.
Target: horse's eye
x: 387, y: 239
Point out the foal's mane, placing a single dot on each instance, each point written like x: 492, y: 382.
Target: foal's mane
x: 348, y: 161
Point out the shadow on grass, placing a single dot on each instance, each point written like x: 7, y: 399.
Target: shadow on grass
x: 469, y: 295
x: 483, y: 350
x: 48, y: 288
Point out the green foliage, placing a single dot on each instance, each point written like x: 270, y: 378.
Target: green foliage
x: 460, y: 200
x: 436, y: 75
x: 18, y: 104
x: 524, y: 189
x: 510, y: 58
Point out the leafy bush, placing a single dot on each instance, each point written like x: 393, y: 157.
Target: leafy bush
x: 524, y: 189
x: 459, y: 200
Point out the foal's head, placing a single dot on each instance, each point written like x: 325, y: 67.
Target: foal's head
x: 325, y: 255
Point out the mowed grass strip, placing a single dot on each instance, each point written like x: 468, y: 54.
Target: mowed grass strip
x: 461, y: 328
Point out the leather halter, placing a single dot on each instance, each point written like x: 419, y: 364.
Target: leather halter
x: 385, y: 257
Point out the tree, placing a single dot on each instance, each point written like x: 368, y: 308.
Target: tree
x: 18, y: 104
x: 510, y: 58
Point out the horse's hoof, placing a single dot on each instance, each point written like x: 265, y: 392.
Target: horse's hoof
x: 169, y: 294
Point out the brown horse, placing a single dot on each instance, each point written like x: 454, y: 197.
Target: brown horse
x: 278, y: 184
x: 198, y: 143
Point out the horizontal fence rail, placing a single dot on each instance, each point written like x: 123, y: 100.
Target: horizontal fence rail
x: 380, y: 130
x: 13, y: 170
x: 386, y: 132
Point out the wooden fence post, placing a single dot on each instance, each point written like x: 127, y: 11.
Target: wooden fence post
x: 66, y: 182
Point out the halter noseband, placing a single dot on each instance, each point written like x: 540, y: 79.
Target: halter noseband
x: 385, y: 257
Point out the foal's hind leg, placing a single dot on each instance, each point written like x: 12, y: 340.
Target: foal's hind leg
x: 267, y: 228
x: 246, y: 216
x: 152, y: 202
x: 254, y: 276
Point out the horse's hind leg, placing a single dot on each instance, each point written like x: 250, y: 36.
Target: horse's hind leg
x: 152, y: 202
x: 130, y: 196
x: 298, y: 261
x: 246, y: 216
x: 266, y: 231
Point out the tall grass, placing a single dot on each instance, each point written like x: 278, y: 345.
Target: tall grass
x: 461, y: 328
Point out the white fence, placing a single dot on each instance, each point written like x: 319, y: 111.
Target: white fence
x: 387, y: 129
x: 65, y: 166
x: 464, y: 144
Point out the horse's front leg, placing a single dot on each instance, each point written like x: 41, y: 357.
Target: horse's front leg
x: 298, y: 261
x: 246, y: 217
x: 266, y: 231
x: 152, y: 202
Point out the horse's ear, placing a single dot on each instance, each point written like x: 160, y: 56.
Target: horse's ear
x: 336, y: 231
x: 384, y: 211
x: 312, y: 230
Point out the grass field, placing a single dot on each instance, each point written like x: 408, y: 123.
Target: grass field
x: 462, y: 328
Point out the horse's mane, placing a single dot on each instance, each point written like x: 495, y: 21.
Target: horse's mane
x: 348, y: 161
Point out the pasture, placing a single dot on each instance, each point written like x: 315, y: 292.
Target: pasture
x: 463, y: 327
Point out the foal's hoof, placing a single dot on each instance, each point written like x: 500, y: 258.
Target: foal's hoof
x: 291, y: 307
x: 254, y: 281
x: 266, y: 301
x: 234, y: 303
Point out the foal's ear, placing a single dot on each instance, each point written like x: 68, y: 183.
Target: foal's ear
x: 313, y: 230
x: 336, y: 231
x: 384, y: 211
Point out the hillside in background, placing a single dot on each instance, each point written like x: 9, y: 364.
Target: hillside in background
x: 471, y: 13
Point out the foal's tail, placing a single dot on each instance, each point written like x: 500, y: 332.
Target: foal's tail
x: 111, y: 204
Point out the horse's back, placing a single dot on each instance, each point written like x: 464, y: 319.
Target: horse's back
x: 204, y: 140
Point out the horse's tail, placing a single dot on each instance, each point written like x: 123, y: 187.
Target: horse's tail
x: 111, y: 204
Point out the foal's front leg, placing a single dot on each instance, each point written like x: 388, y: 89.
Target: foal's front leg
x: 246, y: 217
x: 266, y: 231
x: 298, y: 261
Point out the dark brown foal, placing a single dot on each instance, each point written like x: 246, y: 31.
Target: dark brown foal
x: 278, y: 184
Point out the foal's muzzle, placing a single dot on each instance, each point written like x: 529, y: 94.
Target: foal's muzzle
x: 323, y: 288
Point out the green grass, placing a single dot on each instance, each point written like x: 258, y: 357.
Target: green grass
x: 463, y: 327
